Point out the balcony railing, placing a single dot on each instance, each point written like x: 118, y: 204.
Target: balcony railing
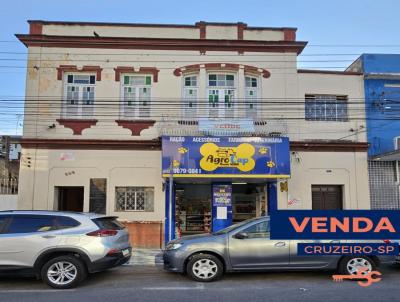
x: 9, y: 186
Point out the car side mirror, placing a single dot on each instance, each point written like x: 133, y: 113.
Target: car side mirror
x: 241, y: 235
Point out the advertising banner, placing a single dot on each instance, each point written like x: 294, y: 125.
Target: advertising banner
x: 218, y: 157
x: 335, y: 224
x: 222, y: 195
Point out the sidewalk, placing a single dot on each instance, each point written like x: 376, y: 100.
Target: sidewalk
x: 146, y: 257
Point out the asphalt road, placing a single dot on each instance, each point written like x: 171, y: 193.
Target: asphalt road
x: 149, y: 283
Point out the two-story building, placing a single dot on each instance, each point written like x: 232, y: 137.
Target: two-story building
x: 179, y: 129
x: 382, y: 103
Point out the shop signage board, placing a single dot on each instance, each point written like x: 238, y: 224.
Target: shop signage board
x: 225, y: 156
x: 226, y: 127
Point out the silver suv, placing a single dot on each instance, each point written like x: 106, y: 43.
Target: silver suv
x: 61, y: 248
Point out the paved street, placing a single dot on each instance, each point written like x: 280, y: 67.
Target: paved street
x: 150, y: 283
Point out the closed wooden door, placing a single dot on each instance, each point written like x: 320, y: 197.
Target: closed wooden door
x: 327, y: 197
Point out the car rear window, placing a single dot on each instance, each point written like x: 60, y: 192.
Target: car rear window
x: 108, y: 223
x: 64, y: 222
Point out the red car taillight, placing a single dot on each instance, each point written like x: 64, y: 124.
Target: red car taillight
x: 103, y: 233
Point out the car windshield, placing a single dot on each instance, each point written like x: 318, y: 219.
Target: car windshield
x: 234, y: 227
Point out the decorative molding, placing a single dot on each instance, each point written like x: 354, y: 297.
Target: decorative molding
x: 35, y: 28
x: 127, y: 69
x: 201, y: 45
x: 328, y: 146
x: 306, y: 146
x: 222, y: 66
x: 202, y: 28
x: 88, y: 144
x: 329, y: 72
x: 154, y: 25
x: 240, y: 30
x: 289, y: 34
x: 73, y: 68
x: 136, y: 126
x: 77, y: 125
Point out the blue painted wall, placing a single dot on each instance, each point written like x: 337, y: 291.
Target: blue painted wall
x: 382, y: 98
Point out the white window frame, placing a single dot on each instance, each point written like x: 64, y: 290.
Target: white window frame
x: 83, y: 111
x: 221, y: 109
x: 339, y: 99
x: 186, y: 111
x: 255, y: 111
x: 138, y: 111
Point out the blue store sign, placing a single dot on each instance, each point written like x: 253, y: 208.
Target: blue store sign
x: 229, y: 157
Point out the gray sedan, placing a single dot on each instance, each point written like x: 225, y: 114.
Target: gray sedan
x: 246, y: 247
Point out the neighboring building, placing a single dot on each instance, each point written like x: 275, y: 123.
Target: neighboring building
x: 10, y: 153
x: 382, y: 99
x: 228, y: 101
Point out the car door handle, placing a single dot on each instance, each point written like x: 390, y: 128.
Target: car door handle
x: 280, y: 244
x: 48, y: 236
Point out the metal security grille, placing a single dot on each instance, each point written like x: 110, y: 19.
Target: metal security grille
x: 327, y: 197
x: 134, y: 199
x: 384, y: 191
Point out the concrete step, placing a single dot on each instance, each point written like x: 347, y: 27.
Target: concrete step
x: 149, y: 257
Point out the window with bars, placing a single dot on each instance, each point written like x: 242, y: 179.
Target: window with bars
x: 251, y: 95
x: 136, y: 96
x: 134, y: 199
x: 79, y: 96
x: 190, y: 90
x: 326, y: 108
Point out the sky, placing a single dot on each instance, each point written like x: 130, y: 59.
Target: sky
x: 345, y: 28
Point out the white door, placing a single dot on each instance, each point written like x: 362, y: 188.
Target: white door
x: 221, y: 103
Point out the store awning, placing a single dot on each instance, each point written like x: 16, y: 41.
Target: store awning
x: 388, y: 156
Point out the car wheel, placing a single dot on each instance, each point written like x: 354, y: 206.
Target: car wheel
x: 63, y: 272
x: 205, y: 268
x: 351, y: 265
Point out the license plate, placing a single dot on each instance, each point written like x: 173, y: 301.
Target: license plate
x: 126, y: 252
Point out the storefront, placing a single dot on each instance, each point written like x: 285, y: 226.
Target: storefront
x: 212, y: 182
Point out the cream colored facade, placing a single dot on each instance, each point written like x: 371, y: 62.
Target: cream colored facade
x: 283, y: 110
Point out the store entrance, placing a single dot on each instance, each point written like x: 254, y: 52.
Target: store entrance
x: 193, y: 205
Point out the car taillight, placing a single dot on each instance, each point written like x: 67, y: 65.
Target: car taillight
x: 387, y: 241
x: 113, y: 252
x: 103, y: 233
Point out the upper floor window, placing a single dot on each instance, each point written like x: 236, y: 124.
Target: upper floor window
x: 326, y: 107
x: 136, y: 96
x: 190, y: 91
x: 221, y: 95
x: 251, y: 96
x: 79, y: 95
